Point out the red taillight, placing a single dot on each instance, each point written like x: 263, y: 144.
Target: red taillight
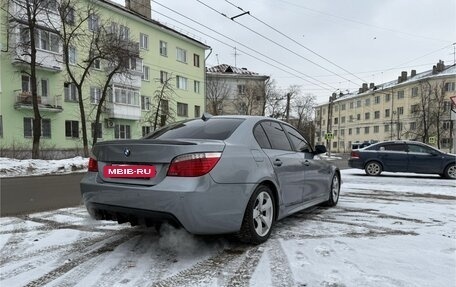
x: 354, y: 154
x: 93, y: 165
x: 195, y: 164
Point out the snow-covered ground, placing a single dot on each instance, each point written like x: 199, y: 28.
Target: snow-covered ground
x: 392, y: 230
x: 13, y: 167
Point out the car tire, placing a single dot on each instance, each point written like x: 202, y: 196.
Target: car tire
x: 450, y: 171
x: 334, y: 191
x: 259, y: 216
x: 373, y: 168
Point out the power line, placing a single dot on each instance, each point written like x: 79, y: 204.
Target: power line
x: 272, y: 41
x: 237, y: 42
x: 296, y: 42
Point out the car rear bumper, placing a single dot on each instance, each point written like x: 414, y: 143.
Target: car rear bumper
x: 355, y: 163
x: 200, y: 205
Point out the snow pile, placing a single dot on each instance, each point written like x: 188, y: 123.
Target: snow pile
x: 14, y: 167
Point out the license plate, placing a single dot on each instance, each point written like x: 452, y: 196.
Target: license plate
x: 129, y: 171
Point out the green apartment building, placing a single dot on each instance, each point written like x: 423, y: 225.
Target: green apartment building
x: 163, y: 53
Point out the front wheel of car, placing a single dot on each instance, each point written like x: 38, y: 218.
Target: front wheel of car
x: 334, y: 192
x: 258, y: 217
x: 373, y: 168
x: 450, y: 171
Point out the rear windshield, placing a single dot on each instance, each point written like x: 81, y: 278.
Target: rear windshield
x: 212, y: 129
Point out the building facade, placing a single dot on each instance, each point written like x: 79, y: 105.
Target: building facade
x: 235, y: 91
x: 413, y: 107
x: 163, y: 54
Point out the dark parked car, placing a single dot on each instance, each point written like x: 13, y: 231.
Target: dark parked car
x: 403, y: 156
x: 221, y: 174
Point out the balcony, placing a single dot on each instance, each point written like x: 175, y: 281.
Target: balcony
x: 24, y: 100
x: 123, y: 111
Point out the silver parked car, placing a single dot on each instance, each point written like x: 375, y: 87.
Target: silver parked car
x: 214, y: 175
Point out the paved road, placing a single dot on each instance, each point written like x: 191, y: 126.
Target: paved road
x: 23, y: 195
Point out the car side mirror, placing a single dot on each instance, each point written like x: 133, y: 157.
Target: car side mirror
x: 319, y: 149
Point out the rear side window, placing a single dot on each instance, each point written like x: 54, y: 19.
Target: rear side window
x: 212, y: 129
x: 276, y: 135
x: 420, y: 149
x: 261, y: 137
x: 393, y: 147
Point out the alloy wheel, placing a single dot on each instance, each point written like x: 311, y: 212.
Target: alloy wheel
x: 263, y: 213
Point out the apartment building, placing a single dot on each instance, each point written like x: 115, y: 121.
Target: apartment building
x: 235, y: 91
x: 416, y: 106
x: 161, y: 53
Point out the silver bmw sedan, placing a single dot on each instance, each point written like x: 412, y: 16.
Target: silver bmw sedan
x: 214, y: 175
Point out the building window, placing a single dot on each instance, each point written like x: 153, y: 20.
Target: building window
x: 400, y: 110
x: 122, y: 132
x: 351, y: 105
x: 446, y: 125
x: 145, y: 73
x: 163, y: 76
x: 197, y: 111
x: 358, y: 130
x: 181, y: 55
x: 377, y: 100
x: 163, y: 48
x: 342, y: 132
x: 145, y: 103
x: 387, y: 128
x: 45, y: 128
x: 349, y: 131
x: 350, y: 118
x: 25, y: 83
x: 45, y: 40
x: 126, y: 96
x: 366, y: 130
x: 93, y: 22
x: 196, y: 60
x: 376, y: 129
x: 400, y: 95
x: 367, y: 102
x: 366, y: 116
x: 143, y: 41
x: 343, y: 107
x: 145, y: 130
x: 387, y: 97
x: 44, y: 88
x: 377, y: 114
x: 414, y: 108
x: 181, y: 83
x: 387, y: 113
x: 182, y: 110
x: 358, y: 117
x: 358, y: 104
x: 196, y: 87
x: 241, y: 91
x: 72, y: 55
x: 99, y: 131
x: 342, y: 120
x: 72, y: 129
x: 334, y: 144
x: 336, y: 108
x: 95, y: 95
x: 336, y: 121
x: 414, y: 91
x: 446, y: 106
x: 132, y: 63
x: 124, y: 32
x: 449, y: 87
x: 71, y: 94
x: 413, y: 126
x: 69, y: 16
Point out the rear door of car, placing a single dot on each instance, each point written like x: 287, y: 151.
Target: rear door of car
x: 286, y: 162
x: 423, y: 159
x: 394, y: 157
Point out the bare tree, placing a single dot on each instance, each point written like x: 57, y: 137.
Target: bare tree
x: 304, y: 109
x: 217, y: 93
x: 275, y: 101
x: 28, y: 23
x: 250, y: 102
x: 293, y: 91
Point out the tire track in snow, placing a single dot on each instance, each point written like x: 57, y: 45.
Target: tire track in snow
x: 281, y: 274
x: 12, y: 244
x: 243, y: 274
x: 73, y: 263
x: 205, y: 270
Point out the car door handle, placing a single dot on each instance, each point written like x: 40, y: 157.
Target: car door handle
x: 306, y: 162
x: 278, y: 162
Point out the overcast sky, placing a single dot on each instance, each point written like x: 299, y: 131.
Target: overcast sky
x: 369, y: 41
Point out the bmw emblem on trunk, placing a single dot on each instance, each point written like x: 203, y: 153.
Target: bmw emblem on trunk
x: 127, y: 152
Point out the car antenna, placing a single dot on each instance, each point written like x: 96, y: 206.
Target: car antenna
x: 206, y: 116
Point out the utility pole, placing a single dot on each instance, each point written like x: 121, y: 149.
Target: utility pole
x: 287, y: 111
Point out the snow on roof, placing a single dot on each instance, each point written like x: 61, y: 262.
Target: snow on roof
x: 228, y: 69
